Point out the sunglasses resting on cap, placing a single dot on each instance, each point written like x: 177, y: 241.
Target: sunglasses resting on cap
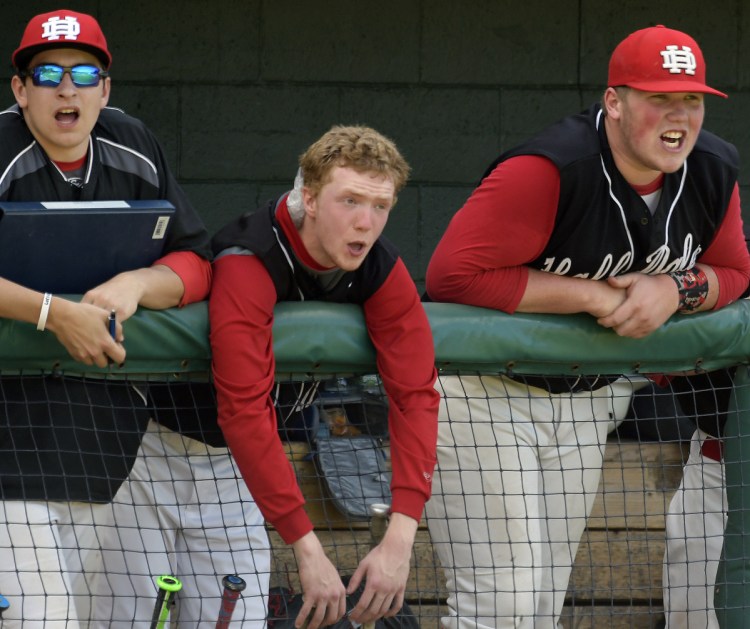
x: 51, y: 74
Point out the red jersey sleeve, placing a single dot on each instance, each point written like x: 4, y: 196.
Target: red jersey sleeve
x: 241, y: 314
x: 728, y: 255
x: 401, y: 334
x: 193, y: 270
x: 505, y: 224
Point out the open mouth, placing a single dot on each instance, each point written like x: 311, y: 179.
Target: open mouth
x: 673, y: 139
x: 67, y: 116
x: 357, y: 248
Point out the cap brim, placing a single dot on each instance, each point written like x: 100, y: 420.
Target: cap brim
x: 23, y: 56
x: 675, y: 86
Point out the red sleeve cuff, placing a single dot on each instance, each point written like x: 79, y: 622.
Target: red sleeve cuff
x: 732, y: 284
x: 519, y: 279
x: 409, y: 502
x: 194, y: 271
x: 293, y: 525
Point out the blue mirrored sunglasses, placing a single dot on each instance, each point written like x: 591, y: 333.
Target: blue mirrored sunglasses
x: 51, y: 75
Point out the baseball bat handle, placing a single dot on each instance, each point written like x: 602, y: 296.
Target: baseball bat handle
x: 233, y: 586
x: 168, y: 587
x: 378, y: 524
x: 379, y: 513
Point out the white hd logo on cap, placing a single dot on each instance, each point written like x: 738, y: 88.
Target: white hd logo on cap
x: 677, y: 60
x: 55, y: 28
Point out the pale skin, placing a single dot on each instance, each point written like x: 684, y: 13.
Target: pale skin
x: 649, y: 133
x: 61, y: 119
x: 342, y: 222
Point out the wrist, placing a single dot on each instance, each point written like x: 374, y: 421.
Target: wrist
x: 600, y: 298
x: 44, y: 312
x: 307, y: 546
x: 401, y: 531
x: 692, y: 288
x: 58, y: 315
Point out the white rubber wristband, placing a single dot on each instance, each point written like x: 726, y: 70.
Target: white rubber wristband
x: 44, y: 312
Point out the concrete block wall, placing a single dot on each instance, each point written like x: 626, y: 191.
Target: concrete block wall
x: 236, y: 89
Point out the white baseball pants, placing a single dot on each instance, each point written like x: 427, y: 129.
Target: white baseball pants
x: 518, y: 472
x: 46, y: 552
x: 695, y: 535
x: 184, y: 511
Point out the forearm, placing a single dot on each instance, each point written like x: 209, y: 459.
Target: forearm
x: 401, y: 334
x: 243, y: 368
x: 401, y: 533
x: 560, y: 294
x: 505, y: 224
x: 728, y: 257
x: 194, y: 271
x: 19, y: 303
x: 499, y: 289
x: 159, y: 287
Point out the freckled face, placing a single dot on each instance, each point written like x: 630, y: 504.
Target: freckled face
x: 346, y: 217
x: 61, y: 118
x: 652, y: 132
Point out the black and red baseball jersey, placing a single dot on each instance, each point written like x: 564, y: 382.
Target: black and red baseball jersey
x: 261, y: 260
x: 557, y: 203
x: 67, y: 438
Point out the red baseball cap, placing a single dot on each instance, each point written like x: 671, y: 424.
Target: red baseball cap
x: 62, y: 29
x: 659, y: 59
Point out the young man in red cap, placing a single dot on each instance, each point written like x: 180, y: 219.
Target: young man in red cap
x: 74, y: 441
x: 629, y: 212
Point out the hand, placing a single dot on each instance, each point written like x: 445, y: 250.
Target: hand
x: 323, y: 594
x: 156, y: 287
x: 604, y: 298
x: 122, y: 294
x: 83, y: 330
x: 385, y: 570
x: 650, y: 301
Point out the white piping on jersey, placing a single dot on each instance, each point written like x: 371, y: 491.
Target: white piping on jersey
x: 622, y: 215
x: 57, y: 168
x: 616, y: 200
x: 131, y: 151
x: 14, y: 160
x: 90, y: 165
x: 619, y: 205
x: 676, y: 198
x: 288, y: 259
x: 13, y: 109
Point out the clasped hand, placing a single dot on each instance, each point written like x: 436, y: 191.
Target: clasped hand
x: 82, y: 328
x: 639, y: 303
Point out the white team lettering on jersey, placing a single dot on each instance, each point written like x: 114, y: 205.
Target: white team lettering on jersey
x: 657, y: 262
x: 604, y: 268
x: 561, y: 269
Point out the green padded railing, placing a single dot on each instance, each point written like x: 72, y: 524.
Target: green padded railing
x: 313, y: 337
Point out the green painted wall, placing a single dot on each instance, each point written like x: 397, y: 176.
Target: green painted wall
x: 236, y: 89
